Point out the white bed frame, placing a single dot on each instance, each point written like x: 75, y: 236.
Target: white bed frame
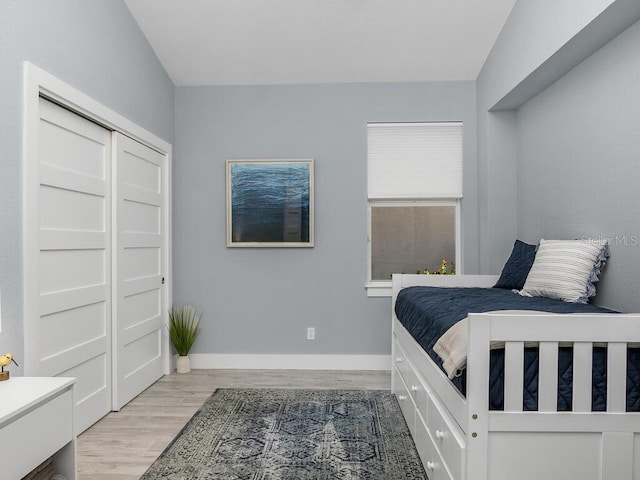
x: 459, y: 438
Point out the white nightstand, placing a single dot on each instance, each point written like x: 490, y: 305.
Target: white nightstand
x: 36, y: 422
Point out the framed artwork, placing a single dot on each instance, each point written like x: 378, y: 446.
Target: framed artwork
x: 270, y: 203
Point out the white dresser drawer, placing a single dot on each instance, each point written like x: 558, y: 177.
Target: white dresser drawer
x: 447, y: 437
x: 429, y: 455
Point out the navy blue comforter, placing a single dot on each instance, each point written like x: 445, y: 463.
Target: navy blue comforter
x: 428, y: 312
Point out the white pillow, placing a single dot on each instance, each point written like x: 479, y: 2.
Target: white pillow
x: 562, y: 269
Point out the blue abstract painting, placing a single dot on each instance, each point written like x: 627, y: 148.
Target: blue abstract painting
x: 270, y: 203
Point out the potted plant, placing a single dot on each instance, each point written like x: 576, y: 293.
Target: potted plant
x: 183, y: 330
x: 444, y: 269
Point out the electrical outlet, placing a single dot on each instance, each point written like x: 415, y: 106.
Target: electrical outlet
x: 311, y: 333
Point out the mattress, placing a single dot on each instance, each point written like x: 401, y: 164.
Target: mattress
x: 428, y: 312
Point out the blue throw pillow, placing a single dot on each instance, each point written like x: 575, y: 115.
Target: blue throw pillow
x: 515, y: 271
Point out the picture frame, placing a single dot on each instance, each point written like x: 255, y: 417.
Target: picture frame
x: 270, y: 203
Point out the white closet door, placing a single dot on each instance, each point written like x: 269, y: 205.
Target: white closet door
x: 138, y: 267
x: 71, y: 334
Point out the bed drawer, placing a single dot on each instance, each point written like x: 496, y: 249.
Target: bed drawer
x: 414, y: 385
x: 401, y: 362
x: 429, y: 455
x: 417, y: 391
x: 406, y: 405
x: 447, y: 436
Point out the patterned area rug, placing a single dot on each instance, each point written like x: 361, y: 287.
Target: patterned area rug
x: 292, y: 435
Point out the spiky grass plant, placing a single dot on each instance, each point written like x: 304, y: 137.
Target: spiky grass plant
x: 184, y: 327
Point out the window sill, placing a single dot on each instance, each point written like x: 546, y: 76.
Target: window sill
x: 378, y: 289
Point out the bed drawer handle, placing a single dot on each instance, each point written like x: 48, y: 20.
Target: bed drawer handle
x: 440, y: 434
x: 431, y: 465
x: 414, y: 388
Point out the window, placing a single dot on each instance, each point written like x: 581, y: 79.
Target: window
x: 414, y: 192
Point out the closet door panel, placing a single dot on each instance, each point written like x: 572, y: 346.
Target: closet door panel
x: 75, y: 210
x: 141, y: 262
x: 80, y: 324
x: 71, y: 145
x: 71, y: 335
x: 138, y: 268
x: 145, y: 305
x: 70, y: 269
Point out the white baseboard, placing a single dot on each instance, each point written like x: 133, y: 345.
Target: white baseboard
x: 290, y: 362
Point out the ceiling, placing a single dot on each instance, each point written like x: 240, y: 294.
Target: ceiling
x: 253, y: 42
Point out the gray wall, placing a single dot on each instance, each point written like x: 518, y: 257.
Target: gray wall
x: 95, y: 46
x: 579, y: 162
x: 262, y: 300
x: 540, y: 42
x: 534, y: 32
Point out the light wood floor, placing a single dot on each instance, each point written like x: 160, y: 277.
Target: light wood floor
x: 124, y: 444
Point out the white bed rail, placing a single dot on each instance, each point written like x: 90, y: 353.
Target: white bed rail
x: 615, y: 428
x: 549, y: 332
x: 403, y: 281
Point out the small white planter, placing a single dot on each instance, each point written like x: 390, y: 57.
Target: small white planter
x: 183, y: 364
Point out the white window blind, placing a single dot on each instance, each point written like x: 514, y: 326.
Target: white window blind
x: 414, y: 160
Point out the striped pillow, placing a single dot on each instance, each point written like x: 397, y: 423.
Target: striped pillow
x: 564, y: 269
